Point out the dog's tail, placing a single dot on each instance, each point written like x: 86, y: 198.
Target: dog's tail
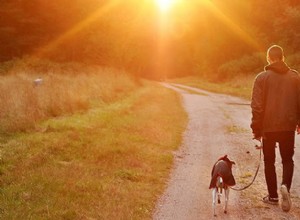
x: 220, y: 184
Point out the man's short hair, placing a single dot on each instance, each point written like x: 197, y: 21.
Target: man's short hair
x: 275, y: 53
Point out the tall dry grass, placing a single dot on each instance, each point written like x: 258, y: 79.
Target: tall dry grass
x: 65, y: 89
x: 110, y: 162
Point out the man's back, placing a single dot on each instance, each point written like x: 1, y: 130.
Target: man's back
x: 275, y: 117
x: 277, y: 95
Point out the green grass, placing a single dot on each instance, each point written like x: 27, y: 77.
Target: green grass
x: 110, y: 162
x: 240, y: 86
x: 235, y: 129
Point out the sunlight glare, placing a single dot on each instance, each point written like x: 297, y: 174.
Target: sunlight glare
x: 164, y: 5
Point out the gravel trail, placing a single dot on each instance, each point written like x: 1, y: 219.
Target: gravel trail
x: 218, y: 125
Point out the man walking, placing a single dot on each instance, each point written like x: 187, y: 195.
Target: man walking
x: 275, y: 117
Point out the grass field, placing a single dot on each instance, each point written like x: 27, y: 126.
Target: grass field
x: 65, y: 89
x: 107, y: 160
x: 91, y: 145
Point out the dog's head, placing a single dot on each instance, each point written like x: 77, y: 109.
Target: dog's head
x: 227, y: 160
x: 222, y: 168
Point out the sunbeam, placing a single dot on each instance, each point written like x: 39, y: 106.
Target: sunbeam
x: 241, y: 33
x: 164, y: 5
x: 76, y: 29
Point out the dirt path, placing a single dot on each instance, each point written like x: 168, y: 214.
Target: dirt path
x: 218, y: 125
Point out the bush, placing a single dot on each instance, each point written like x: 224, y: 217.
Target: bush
x: 246, y: 65
x: 293, y: 61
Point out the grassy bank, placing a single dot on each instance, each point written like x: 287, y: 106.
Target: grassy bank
x: 109, y: 161
x: 240, y: 86
x: 63, y: 89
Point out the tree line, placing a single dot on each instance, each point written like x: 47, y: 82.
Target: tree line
x: 216, y: 38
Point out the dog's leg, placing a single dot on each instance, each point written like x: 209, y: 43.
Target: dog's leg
x: 226, y: 199
x: 214, y: 197
x: 220, y: 186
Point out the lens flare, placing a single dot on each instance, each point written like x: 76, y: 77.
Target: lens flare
x: 164, y: 5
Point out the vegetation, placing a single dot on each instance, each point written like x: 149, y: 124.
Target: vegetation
x: 106, y: 160
x: 83, y: 143
x: 64, y: 89
x: 217, y: 39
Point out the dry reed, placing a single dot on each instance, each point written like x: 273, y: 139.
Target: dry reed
x: 65, y: 89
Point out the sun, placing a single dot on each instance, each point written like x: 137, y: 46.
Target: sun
x: 164, y: 5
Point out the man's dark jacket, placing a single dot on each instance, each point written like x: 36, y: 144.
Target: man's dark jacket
x: 275, y: 100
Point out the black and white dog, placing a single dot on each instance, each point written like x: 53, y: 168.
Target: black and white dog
x: 221, y: 179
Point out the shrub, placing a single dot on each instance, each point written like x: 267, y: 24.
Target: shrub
x: 293, y: 61
x: 246, y: 65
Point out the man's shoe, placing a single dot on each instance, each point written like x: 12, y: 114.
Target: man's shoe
x: 286, y: 202
x: 269, y: 200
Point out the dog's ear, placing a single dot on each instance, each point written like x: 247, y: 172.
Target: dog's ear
x: 223, y: 158
x: 232, y: 162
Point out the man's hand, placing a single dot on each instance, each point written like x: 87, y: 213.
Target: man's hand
x: 257, y: 142
x: 258, y: 137
x: 298, y: 129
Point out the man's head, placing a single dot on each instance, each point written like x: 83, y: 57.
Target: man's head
x: 274, y: 54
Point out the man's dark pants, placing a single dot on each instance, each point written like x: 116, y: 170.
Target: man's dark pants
x: 286, y: 141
